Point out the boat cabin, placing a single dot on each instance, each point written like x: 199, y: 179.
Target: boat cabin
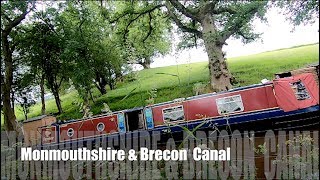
x: 276, y: 98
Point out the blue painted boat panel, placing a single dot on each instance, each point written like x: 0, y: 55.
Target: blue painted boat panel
x: 149, y: 118
x: 121, y: 123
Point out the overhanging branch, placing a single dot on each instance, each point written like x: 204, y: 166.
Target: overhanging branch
x: 244, y: 36
x: 185, y: 11
x: 139, y: 14
x: 180, y: 24
x: 118, y: 18
x: 223, y: 10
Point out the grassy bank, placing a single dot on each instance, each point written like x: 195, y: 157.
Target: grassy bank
x: 177, y: 81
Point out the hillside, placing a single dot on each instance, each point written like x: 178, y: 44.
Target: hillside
x: 178, y: 81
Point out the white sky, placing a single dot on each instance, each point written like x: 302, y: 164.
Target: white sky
x: 276, y: 34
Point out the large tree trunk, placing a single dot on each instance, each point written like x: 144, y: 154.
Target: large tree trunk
x: 43, y: 103
x: 147, y: 62
x: 9, y: 116
x: 8, y: 111
x: 220, y: 76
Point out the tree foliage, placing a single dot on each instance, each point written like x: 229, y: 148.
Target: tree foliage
x: 143, y: 36
x: 300, y: 12
x: 90, y: 47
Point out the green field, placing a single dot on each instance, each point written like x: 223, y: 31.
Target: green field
x: 246, y: 69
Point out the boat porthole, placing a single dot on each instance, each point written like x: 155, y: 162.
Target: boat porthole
x: 70, y: 132
x: 100, y: 127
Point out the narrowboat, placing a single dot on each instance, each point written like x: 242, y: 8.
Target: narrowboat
x: 287, y: 102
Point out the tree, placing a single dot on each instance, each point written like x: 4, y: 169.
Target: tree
x: 31, y: 73
x: 142, y: 38
x: 211, y: 21
x: 12, y: 14
x: 106, y: 65
x: 91, y: 46
x: 41, y: 48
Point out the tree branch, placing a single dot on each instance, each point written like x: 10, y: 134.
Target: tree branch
x: 150, y: 28
x: 208, y: 7
x: 14, y: 22
x: 128, y: 25
x: 148, y: 11
x: 245, y: 36
x: 224, y: 9
x: 61, y: 80
x: 5, y: 16
x: 180, y: 24
x: 136, y: 13
x: 119, y: 17
x: 50, y: 26
x: 185, y: 11
x: 242, y: 18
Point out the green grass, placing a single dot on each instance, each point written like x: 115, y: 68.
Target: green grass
x: 246, y: 69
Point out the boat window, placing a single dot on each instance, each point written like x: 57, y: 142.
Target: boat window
x: 300, y: 90
x: 100, y: 127
x: 229, y: 104
x: 173, y: 113
x: 283, y: 75
x: 70, y: 132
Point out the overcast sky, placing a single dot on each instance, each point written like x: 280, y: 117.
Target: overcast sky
x: 276, y: 34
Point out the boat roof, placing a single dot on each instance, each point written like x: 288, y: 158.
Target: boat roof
x: 35, y: 119
x: 164, y: 103
x: 214, y: 93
